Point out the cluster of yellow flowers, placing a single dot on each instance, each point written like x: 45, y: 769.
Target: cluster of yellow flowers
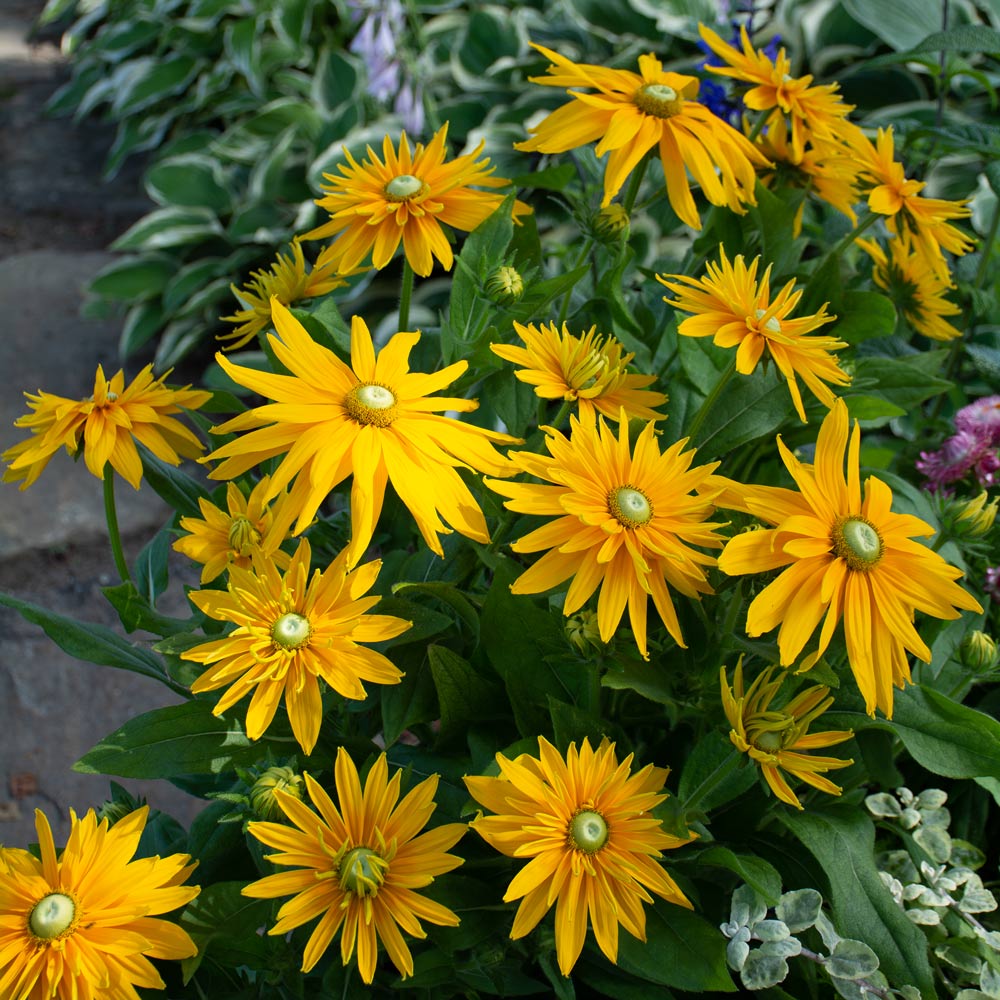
x: 626, y: 520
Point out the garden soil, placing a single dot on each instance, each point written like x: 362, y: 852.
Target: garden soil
x: 57, y: 216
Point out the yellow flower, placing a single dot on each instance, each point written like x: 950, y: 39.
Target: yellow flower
x: 288, y: 282
x: 585, y: 822
x: 843, y: 558
x: 736, y: 310
x: 109, y: 423
x: 824, y: 168
x: 220, y: 538
x: 406, y: 197
x: 82, y: 924
x: 375, y: 419
x: 921, y: 222
x: 291, y: 632
x: 357, y: 869
x: 814, y: 111
x: 590, y: 369
x: 633, y: 112
x: 624, y: 521
x: 917, y: 288
x: 777, y: 739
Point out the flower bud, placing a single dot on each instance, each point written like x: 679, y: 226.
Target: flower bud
x: 979, y: 515
x: 505, y: 285
x: 611, y: 223
x: 583, y: 631
x: 978, y: 651
x: 262, y: 800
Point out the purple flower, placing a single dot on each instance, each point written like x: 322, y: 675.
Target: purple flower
x: 981, y: 417
x: 963, y: 452
x: 992, y: 583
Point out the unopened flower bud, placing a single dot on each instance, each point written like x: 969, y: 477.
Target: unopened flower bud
x: 610, y: 223
x: 978, y: 651
x: 505, y: 285
x: 262, y: 800
x: 583, y: 631
x: 113, y: 810
x: 979, y: 515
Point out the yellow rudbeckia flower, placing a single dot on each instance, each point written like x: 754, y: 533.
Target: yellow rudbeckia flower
x: 86, y: 922
x: 631, y: 113
x: 845, y: 557
x: 358, y: 868
x: 585, y: 823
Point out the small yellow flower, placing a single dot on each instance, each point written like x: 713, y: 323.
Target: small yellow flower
x: 108, y: 424
x: 590, y: 369
x: 286, y: 280
x: 813, y: 111
x: 376, y: 420
x: 620, y: 519
x: 406, y: 197
x: 85, y: 922
x: 358, y: 868
x: 732, y: 307
x: 921, y: 223
x: 293, y: 631
x: 585, y: 823
x: 843, y: 557
x: 917, y: 287
x: 219, y: 539
x: 777, y: 739
x: 632, y: 113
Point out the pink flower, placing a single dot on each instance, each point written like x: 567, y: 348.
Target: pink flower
x: 982, y: 418
x: 961, y: 453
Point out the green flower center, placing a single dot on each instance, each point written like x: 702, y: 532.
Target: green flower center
x: 773, y: 325
x: 404, y: 187
x: 658, y: 100
x: 630, y: 507
x: 52, y: 916
x: 362, y: 871
x: 858, y: 542
x: 291, y: 631
x: 588, y: 832
x: 243, y: 536
x: 371, y: 404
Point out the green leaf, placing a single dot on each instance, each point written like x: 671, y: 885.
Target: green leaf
x: 709, y: 779
x: 224, y: 921
x: 151, y: 573
x: 177, y: 488
x: 426, y: 623
x: 752, y: 407
x: 941, y: 735
x: 645, y: 678
x: 335, y: 81
x: 135, y: 612
x: 799, y: 909
x: 863, y: 316
x: 901, y: 24
x: 193, y: 180
x: 522, y: 641
x: 93, y: 643
x: 903, y: 382
x: 761, y: 876
x: 134, y: 278
x: 761, y: 971
x: 513, y: 401
x: 150, y: 80
x: 175, y: 741
x: 851, y: 959
x: 169, y: 227
x: 572, y: 725
x: 681, y: 950
x: 411, y: 701
x: 964, y: 38
x: 843, y: 842
x: 142, y: 323
x: 448, y: 594
x: 465, y: 697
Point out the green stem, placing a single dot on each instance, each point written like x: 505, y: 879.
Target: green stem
x: 111, y: 514
x: 723, y: 771
x: 757, y: 127
x: 564, y: 308
x: 594, y: 689
x: 561, y: 413
x: 867, y: 220
x: 710, y: 400
x: 405, y: 295
x: 635, y: 182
